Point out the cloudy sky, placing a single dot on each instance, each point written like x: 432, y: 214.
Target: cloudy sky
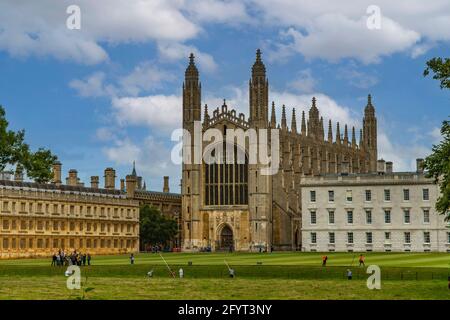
x: 109, y: 93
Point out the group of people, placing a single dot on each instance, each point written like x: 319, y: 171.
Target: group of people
x: 62, y: 258
x: 361, y: 260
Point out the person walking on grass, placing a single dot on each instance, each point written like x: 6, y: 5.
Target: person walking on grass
x: 349, y: 274
x: 89, y: 259
x: 361, y: 260
x: 324, y: 261
x: 132, y: 258
x: 54, y: 260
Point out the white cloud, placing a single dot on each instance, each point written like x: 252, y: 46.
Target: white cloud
x: 161, y: 113
x: 146, y: 76
x: 105, y: 134
x: 335, y: 30
x: 152, y: 157
x: 91, y: 86
x: 231, y: 12
x: 170, y: 51
x: 356, y: 78
x: 39, y: 27
x: 305, y: 82
x: 335, y: 36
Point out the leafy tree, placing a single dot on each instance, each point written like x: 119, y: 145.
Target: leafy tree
x: 15, y: 152
x: 155, y: 228
x: 441, y: 69
x: 437, y: 164
x: 39, y: 164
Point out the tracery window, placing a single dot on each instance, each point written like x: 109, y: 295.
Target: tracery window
x: 226, y: 183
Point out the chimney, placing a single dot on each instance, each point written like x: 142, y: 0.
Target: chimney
x: 57, y: 173
x: 389, y: 167
x: 381, y: 166
x: 131, y: 185
x: 110, y: 178
x: 18, y: 174
x: 122, y: 184
x: 419, y: 165
x: 95, y: 182
x: 73, y: 178
x: 166, y: 184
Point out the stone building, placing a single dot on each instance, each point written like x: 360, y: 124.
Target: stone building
x: 39, y: 219
x: 381, y: 211
x: 233, y: 205
x: 167, y: 202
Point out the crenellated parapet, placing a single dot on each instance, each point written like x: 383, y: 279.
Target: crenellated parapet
x: 224, y: 114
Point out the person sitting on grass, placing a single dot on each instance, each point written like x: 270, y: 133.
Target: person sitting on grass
x: 361, y: 260
x: 231, y: 271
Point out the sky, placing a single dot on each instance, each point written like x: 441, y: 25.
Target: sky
x: 109, y: 92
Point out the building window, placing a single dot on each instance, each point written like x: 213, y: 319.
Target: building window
x: 368, y: 217
x: 313, y: 217
x: 368, y: 195
x: 387, y: 216
x: 331, y: 196
x: 426, y: 194
x: 312, y: 196
x: 225, y: 182
x: 406, y: 194
x: 426, y: 237
x: 349, y: 196
x: 5, y: 224
x: 331, y: 217
x: 368, y: 237
x: 407, y: 237
x: 331, y: 238
x: 387, y: 236
x: 313, y: 237
x: 407, y: 216
x: 350, y: 217
x: 387, y: 195
x: 448, y: 237
x: 426, y: 216
x: 349, y: 237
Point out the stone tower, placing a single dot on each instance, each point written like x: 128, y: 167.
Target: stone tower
x: 259, y: 94
x: 191, y: 168
x: 370, y: 134
x: 259, y: 186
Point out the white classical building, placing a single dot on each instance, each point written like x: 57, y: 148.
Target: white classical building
x: 383, y: 211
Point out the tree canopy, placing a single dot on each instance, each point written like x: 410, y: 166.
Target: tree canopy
x: 437, y: 164
x: 15, y: 152
x: 155, y: 228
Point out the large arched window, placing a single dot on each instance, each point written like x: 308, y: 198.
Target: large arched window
x: 226, y: 183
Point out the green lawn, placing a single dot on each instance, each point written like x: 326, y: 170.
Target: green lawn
x: 287, y: 275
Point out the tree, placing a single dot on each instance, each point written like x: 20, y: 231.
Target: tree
x: 441, y: 70
x: 15, y: 152
x: 437, y: 164
x: 154, y: 227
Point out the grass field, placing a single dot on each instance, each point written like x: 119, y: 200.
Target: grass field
x: 287, y: 275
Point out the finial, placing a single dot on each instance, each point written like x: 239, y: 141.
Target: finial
x: 224, y: 102
x: 330, y: 131
x: 191, y: 58
x: 258, y: 55
x: 133, y: 173
x: 369, y: 99
x: 283, y: 117
x: 294, y: 121
x: 314, y: 101
x: 303, y: 124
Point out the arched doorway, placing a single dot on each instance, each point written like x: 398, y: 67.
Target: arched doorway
x: 226, y: 238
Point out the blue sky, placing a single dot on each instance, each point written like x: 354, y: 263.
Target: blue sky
x: 109, y: 93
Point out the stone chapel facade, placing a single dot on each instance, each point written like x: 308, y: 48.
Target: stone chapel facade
x: 233, y: 205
